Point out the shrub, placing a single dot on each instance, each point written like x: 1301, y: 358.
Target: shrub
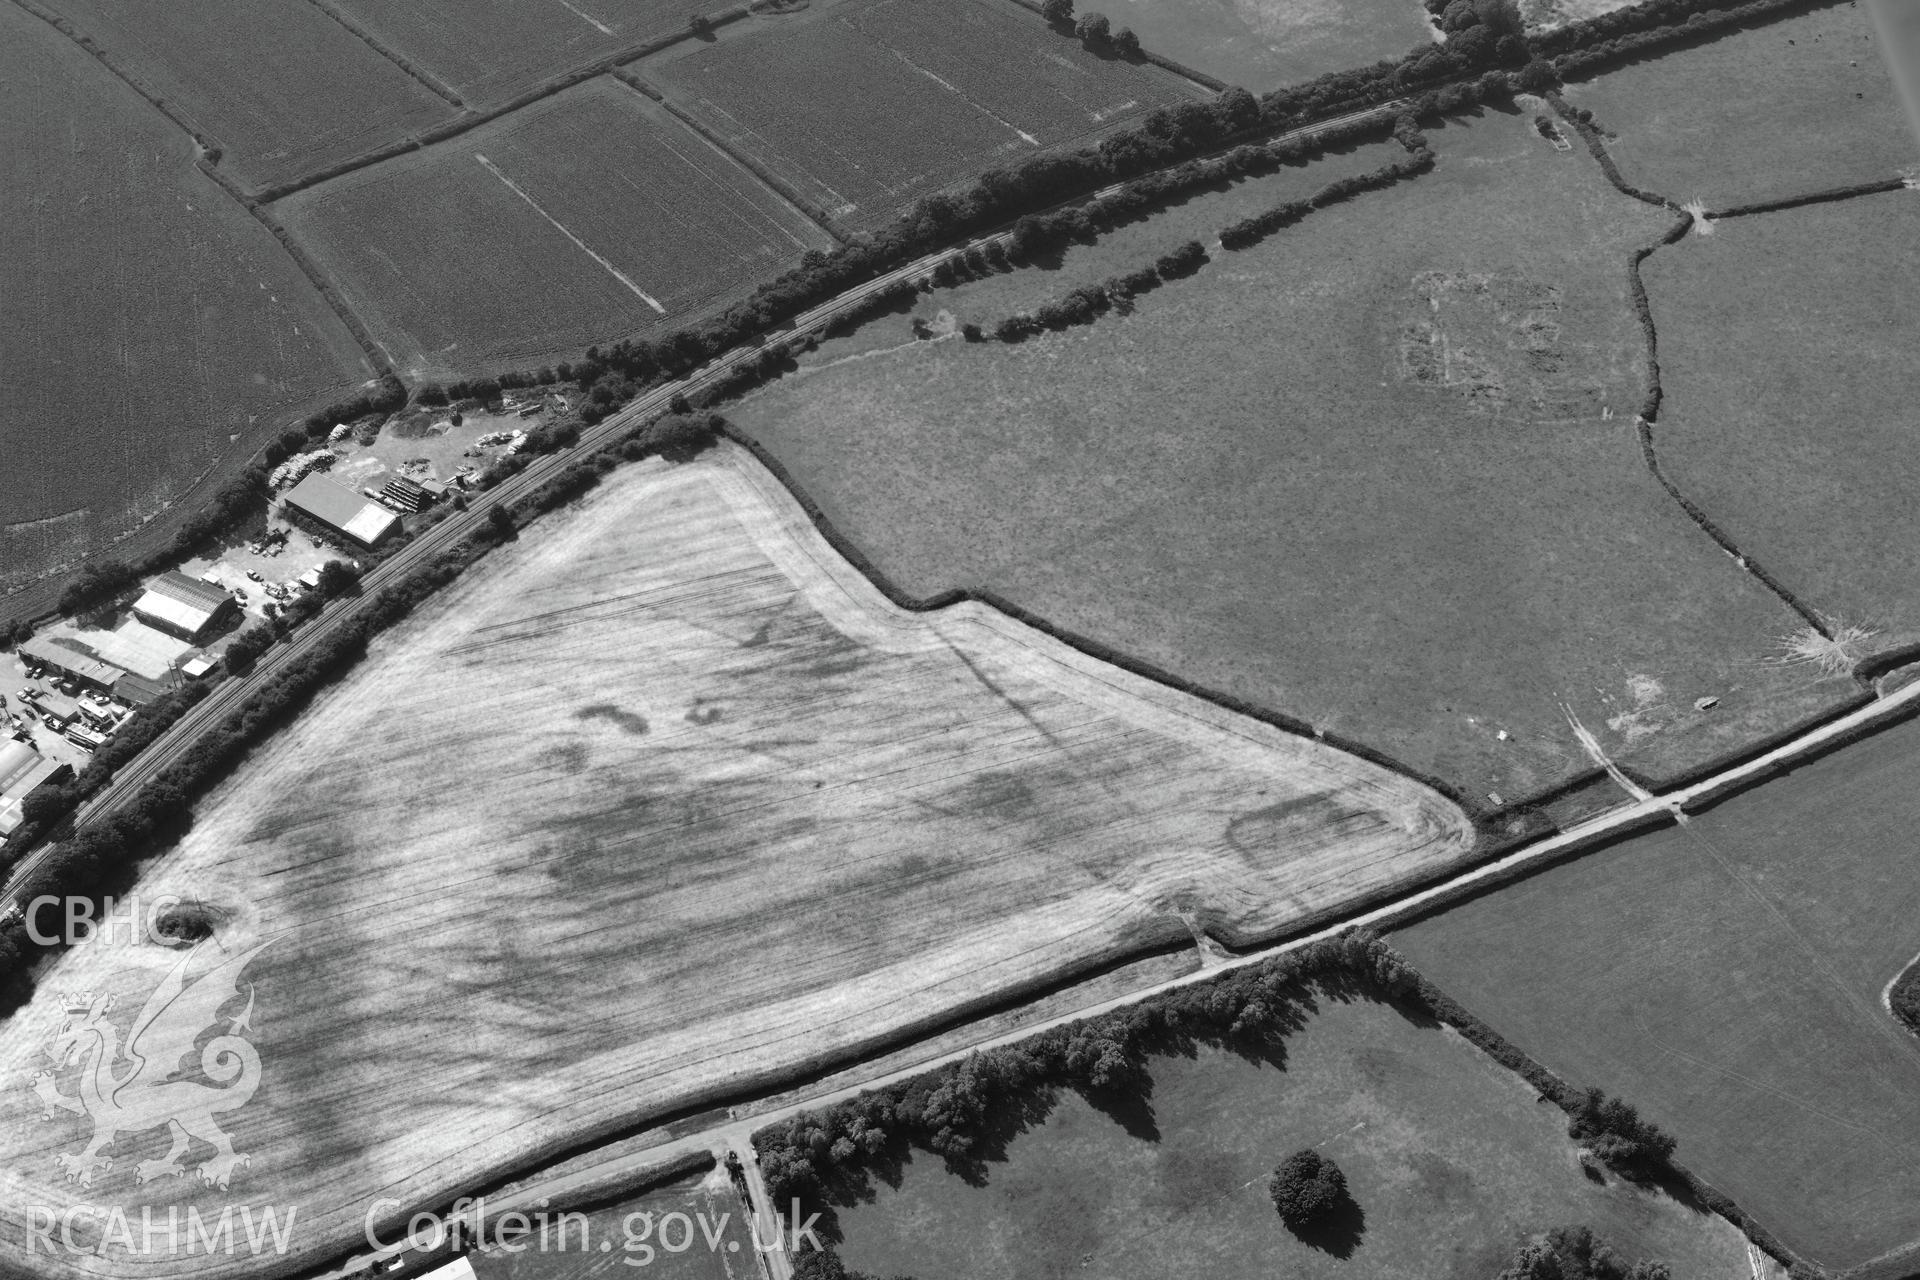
x: 1574, y: 1253
x: 1184, y: 261
x: 1613, y: 1131
x: 1307, y: 1190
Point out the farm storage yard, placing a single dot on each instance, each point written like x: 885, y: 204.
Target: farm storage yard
x: 1265, y: 44
x: 277, y: 85
x: 1789, y: 369
x: 1401, y: 498
x: 488, y: 51
x: 1452, y: 1160
x: 865, y: 105
x: 590, y: 216
x: 1796, y: 105
x: 154, y: 333
x: 666, y: 800
x: 1728, y: 976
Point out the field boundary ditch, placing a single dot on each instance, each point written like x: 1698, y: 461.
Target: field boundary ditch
x: 1200, y: 78
x: 419, y: 74
x: 207, y: 162
x: 1172, y: 1017
x: 1649, y: 412
x: 1594, y: 834
x: 766, y: 177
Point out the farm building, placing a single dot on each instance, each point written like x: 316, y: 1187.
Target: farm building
x: 340, y: 510
x: 23, y: 773
x: 183, y: 606
x: 410, y: 495
x: 137, y: 690
x: 56, y: 710
x: 79, y: 665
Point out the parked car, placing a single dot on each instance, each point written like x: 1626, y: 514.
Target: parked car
x: 254, y: 574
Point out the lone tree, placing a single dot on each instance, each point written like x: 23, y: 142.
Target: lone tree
x: 1125, y: 43
x: 1058, y: 12
x: 1308, y: 1189
x: 1093, y: 29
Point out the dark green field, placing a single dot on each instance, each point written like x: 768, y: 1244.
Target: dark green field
x: 1727, y: 978
x: 1798, y: 105
x: 1400, y: 498
x: 1790, y: 354
x: 1453, y: 1161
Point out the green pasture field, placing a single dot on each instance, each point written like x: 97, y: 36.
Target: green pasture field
x: 154, y: 333
x: 1796, y: 105
x: 866, y: 105
x: 279, y: 86
x: 630, y: 1227
x: 489, y: 50
x: 1453, y: 1161
x: 594, y: 215
x: 1401, y: 498
x: 1727, y: 978
x: 1789, y: 353
x: 1264, y: 44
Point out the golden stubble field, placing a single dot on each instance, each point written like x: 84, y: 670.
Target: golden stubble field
x: 662, y: 802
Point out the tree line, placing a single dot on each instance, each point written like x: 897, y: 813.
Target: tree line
x: 101, y: 859
x: 962, y: 1112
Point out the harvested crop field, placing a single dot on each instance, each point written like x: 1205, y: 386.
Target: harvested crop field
x: 279, y: 86
x: 1453, y: 1161
x: 1265, y: 44
x: 1726, y: 977
x: 717, y: 1244
x: 704, y: 808
x: 490, y: 50
x: 1401, y: 499
x: 866, y: 105
x: 1789, y: 355
x: 587, y: 217
x: 153, y: 331
x: 1796, y: 105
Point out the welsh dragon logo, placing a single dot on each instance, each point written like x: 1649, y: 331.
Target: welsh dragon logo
x: 133, y: 1088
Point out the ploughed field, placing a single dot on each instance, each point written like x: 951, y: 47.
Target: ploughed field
x: 1789, y: 357
x: 665, y: 801
x: 866, y: 105
x: 487, y: 51
x: 1727, y: 977
x: 1452, y: 1160
x: 1797, y: 105
x: 1400, y: 497
x: 281, y: 88
x: 587, y: 217
x: 153, y: 331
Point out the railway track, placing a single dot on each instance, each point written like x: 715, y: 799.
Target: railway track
x: 232, y: 693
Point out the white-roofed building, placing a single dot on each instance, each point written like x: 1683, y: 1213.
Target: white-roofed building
x: 342, y: 510
x: 183, y: 606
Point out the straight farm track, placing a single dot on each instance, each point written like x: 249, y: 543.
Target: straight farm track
x: 866, y: 105
x: 667, y: 801
x: 589, y: 216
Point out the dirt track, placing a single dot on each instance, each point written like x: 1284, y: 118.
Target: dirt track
x: 667, y: 801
